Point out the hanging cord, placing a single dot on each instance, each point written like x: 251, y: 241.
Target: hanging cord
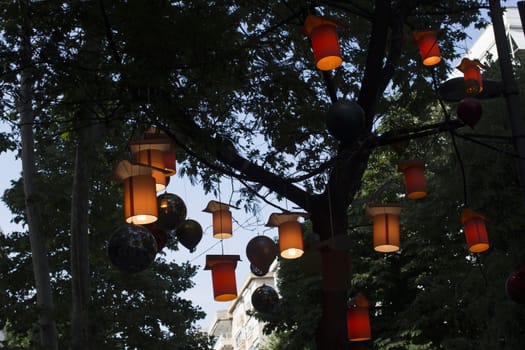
x: 220, y: 216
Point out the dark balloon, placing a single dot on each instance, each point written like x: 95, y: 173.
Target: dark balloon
x: 469, y: 111
x: 161, y: 236
x: 515, y: 285
x: 257, y: 271
x: 345, y: 120
x: 261, y: 252
x: 189, y: 234
x: 172, y: 211
x: 265, y: 299
x: 132, y: 248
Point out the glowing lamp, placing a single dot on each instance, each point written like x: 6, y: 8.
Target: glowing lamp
x: 140, y: 199
x: 325, y: 42
x: 223, y: 276
x: 163, y: 147
x: 386, y: 226
x: 290, y: 234
x: 415, y: 182
x: 154, y: 159
x: 475, y: 230
x: 222, y: 219
x: 357, y: 319
x: 428, y: 46
x: 472, y: 75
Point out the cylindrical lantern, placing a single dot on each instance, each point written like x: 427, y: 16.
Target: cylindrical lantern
x: 222, y: 219
x: 155, y: 140
x: 428, y: 47
x: 386, y: 226
x: 415, y: 182
x: 325, y: 42
x: 475, y: 230
x: 290, y: 234
x: 155, y: 159
x: 472, y: 75
x: 223, y: 276
x: 358, y: 319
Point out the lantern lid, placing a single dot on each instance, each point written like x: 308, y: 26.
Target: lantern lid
x: 469, y: 214
x: 468, y: 63
x: 406, y: 164
x: 125, y: 169
x: 378, y: 209
x: 277, y: 219
x: 313, y: 22
x: 212, y: 260
x: 214, y: 206
x: 418, y: 34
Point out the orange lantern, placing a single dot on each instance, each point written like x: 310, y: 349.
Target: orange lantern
x: 475, y: 230
x: 290, y: 234
x: 223, y: 276
x: 386, y: 226
x: 357, y: 319
x: 428, y: 46
x: 325, y: 42
x: 472, y: 75
x: 140, y: 199
x: 222, y: 219
x: 155, y: 159
x: 415, y: 183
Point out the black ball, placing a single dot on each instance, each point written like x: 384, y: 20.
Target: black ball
x: 265, y: 299
x: 261, y: 251
x: 132, y: 248
x: 172, y: 211
x: 189, y: 234
x: 345, y: 120
x: 257, y: 271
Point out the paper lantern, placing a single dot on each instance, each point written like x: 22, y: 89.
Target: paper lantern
x: 325, y: 42
x: 415, y: 182
x: 469, y: 111
x: 515, y: 285
x: 472, y: 75
x: 290, y: 234
x: 172, y: 211
x: 222, y: 219
x: 154, y: 159
x: 264, y: 299
x: 428, y: 47
x: 386, y: 226
x: 223, y: 276
x: 156, y: 140
x: 345, y: 120
x: 261, y: 252
x: 475, y: 230
x: 358, y: 319
x: 132, y: 248
x: 160, y: 235
x: 189, y: 234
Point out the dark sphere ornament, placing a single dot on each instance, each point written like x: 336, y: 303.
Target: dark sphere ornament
x: 189, y: 234
x: 161, y: 236
x: 261, y: 251
x: 469, y: 111
x: 265, y: 299
x: 132, y: 248
x: 345, y: 120
x: 515, y: 285
x: 172, y: 211
x: 257, y: 271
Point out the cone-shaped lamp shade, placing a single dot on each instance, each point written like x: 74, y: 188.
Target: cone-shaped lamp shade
x: 415, y: 182
x: 140, y: 200
x: 325, y: 42
x: 472, y: 75
x: 386, y: 227
x: 155, y: 159
x: 358, y: 320
x: 428, y: 47
x: 223, y: 276
x: 475, y: 231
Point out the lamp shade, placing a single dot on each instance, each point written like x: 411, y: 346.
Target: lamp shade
x: 290, y: 234
x: 222, y: 219
x: 428, y: 47
x: 140, y: 200
x: 358, y: 319
x: 472, y: 75
x: 415, y: 182
x: 223, y: 276
x: 386, y: 226
x: 155, y: 139
x: 475, y: 231
x: 325, y: 42
x: 155, y: 159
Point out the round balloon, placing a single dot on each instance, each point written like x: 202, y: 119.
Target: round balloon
x: 261, y: 251
x: 161, y: 236
x: 257, y: 271
x: 172, y: 211
x: 469, y: 111
x: 515, y: 285
x: 265, y: 299
x: 189, y: 234
x: 345, y: 120
x: 132, y: 248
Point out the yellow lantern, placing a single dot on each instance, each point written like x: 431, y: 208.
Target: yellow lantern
x: 223, y: 276
x: 222, y: 219
x: 290, y: 233
x: 155, y: 159
x: 386, y: 226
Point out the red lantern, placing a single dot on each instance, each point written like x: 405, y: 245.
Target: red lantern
x: 469, y: 111
x: 325, y: 42
x: 472, y: 75
x: 475, y: 230
x: 515, y: 285
x: 290, y: 234
x: 222, y: 219
x: 223, y: 276
x: 428, y: 47
x: 415, y: 182
x: 386, y: 226
x: 358, y: 320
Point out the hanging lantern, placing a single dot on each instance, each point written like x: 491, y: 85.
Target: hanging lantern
x: 415, y: 183
x: 386, y: 226
x: 189, y: 234
x: 222, y: 219
x: 469, y: 111
x: 257, y: 271
x: 472, y: 75
x: 290, y: 234
x: 325, y: 42
x: 345, y: 120
x: 172, y: 211
x: 161, y: 237
x: 261, y: 252
x: 132, y: 248
x: 428, y: 46
x: 140, y: 200
x: 154, y: 159
x: 475, y: 230
x: 223, y: 276
x: 515, y: 285
x: 357, y: 319
x: 264, y: 299
x: 162, y: 159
